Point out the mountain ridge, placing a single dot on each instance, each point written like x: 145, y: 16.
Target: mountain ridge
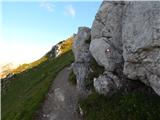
x: 58, y: 49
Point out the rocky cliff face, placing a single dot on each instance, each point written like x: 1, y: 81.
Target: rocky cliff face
x: 125, y: 40
x: 106, y: 45
x: 141, y: 43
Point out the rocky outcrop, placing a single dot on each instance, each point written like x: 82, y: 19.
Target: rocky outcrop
x: 81, y: 46
x: 125, y: 40
x: 136, y: 27
x: 55, y: 51
x: 82, y: 56
x: 106, y: 44
x: 60, y: 48
x: 141, y: 43
x: 107, y: 84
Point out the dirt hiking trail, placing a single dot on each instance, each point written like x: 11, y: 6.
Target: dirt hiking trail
x: 61, y: 101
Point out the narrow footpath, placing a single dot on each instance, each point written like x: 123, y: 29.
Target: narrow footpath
x: 61, y: 101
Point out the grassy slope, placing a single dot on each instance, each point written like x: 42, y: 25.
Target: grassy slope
x: 28, y: 88
x: 64, y: 47
x: 24, y: 67
x: 131, y: 106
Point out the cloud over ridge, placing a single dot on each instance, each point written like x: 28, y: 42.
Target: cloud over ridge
x: 70, y: 11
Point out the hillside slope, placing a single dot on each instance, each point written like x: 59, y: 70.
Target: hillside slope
x: 57, y: 50
x: 27, y: 89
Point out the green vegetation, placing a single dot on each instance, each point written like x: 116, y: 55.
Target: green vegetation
x: 72, y: 78
x: 28, y: 88
x: 129, y: 106
x: 65, y: 46
x: 24, y: 67
x: 96, y: 71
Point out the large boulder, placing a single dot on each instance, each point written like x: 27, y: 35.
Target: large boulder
x: 107, y: 84
x: 82, y: 56
x: 106, y: 32
x: 105, y: 54
x: 141, y: 43
x: 108, y: 23
x: 106, y: 45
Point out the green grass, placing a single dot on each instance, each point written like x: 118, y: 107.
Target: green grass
x: 129, y: 106
x: 27, y: 89
x: 72, y: 78
x: 24, y: 67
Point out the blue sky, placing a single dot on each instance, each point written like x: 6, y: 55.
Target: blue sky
x: 30, y: 29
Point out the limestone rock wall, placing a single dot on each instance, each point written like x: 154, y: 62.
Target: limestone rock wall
x: 125, y: 40
x: 106, y: 45
x: 141, y: 43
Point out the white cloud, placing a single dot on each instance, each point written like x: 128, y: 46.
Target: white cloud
x: 49, y: 6
x: 70, y: 10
